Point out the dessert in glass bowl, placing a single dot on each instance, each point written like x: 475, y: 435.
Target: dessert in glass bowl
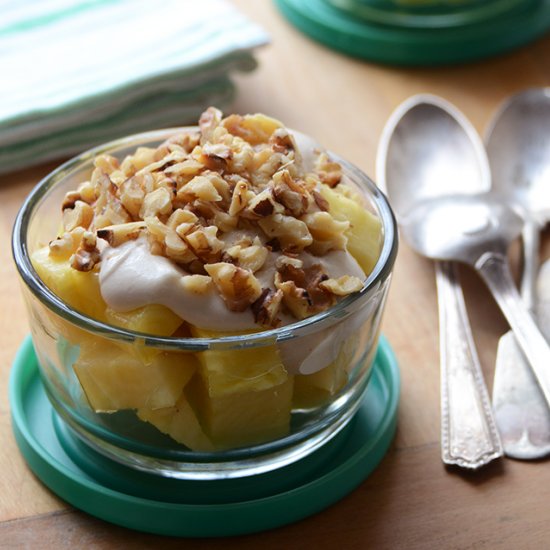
x: 206, y: 295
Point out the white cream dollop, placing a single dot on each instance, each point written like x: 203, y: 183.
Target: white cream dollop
x: 131, y: 277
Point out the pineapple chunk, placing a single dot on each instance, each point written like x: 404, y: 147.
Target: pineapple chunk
x: 78, y: 289
x: 81, y: 291
x: 364, y: 234
x: 313, y: 390
x: 239, y: 419
x: 115, y: 379
x: 180, y: 423
x: 318, y: 388
x: 153, y: 319
x: 239, y: 371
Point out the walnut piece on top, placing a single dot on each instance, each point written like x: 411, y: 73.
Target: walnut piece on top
x: 193, y: 194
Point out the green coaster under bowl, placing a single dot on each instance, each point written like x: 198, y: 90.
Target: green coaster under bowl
x: 165, y: 506
x: 403, y: 34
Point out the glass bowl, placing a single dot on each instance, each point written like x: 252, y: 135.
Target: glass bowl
x: 285, y: 419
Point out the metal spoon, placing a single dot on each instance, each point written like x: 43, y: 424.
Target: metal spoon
x: 429, y: 149
x: 477, y: 230
x: 518, y: 145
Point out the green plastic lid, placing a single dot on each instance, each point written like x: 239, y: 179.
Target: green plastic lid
x: 165, y: 506
x: 420, y: 33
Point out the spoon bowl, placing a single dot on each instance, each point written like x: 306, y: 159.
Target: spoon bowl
x: 429, y: 149
x: 518, y: 146
x: 476, y: 230
x: 461, y: 227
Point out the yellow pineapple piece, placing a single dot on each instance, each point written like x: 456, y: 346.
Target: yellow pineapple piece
x: 239, y: 371
x: 313, y: 390
x: 365, y: 232
x: 81, y: 291
x: 153, y: 319
x: 179, y: 422
x: 115, y: 379
x: 318, y: 388
x: 78, y: 289
x: 239, y: 419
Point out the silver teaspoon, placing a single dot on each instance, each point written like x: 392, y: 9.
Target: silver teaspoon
x: 429, y: 149
x: 518, y: 146
x: 477, y: 230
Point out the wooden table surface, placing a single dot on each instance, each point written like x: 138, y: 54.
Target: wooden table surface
x: 411, y: 501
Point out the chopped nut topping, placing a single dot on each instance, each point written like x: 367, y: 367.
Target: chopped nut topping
x: 251, y: 257
x: 329, y: 172
x: 66, y: 244
x: 328, y: 233
x: 156, y: 203
x: 262, y: 205
x: 294, y: 197
x: 294, y: 298
x: 70, y: 200
x: 343, y: 285
x: 199, y: 284
x: 237, y: 286
x: 283, y: 260
x: 309, y: 279
x: 266, y: 307
x: 116, y: 235
x: 227, y: 203
x: 81, y: 215
x: 242, y: 195
x: 293, y: 235
x: 205, y: 244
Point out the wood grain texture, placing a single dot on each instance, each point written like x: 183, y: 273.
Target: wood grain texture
x: 411, y: 501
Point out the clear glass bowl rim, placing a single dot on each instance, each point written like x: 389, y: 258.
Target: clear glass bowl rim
x: 320, y: 321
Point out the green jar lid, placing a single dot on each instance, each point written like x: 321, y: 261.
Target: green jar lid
x: 165, y: 506
x: 403, y: 33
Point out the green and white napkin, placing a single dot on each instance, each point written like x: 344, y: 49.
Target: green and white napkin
x: 75, y: 73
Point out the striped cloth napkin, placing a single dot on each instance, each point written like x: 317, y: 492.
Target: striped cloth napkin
x: 75, y: 73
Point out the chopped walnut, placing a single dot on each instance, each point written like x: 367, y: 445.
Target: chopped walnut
x: 266, y: 307
x: 200, y: 187
x: 343, y: 285
x: 329, y: 172
x: 80, y: 215
x: 198, y: 284
x: 238, y: 287
x: 294, y: 298
x: 227, y: 202
x: 327, y: 232
x: 132, y: 193
x: 66, y: 244
x: 87, y: 255
x: 251, y: 257
x: 205, y: 244
x: 208, y: 122
x: 293, y: 235
x: 293, y: 196
x: 310, y: 280
x: 283, y: 260
x: 116, y: 235
x: 242, y: 195
x: 261, y: 206
x: 156, y: 203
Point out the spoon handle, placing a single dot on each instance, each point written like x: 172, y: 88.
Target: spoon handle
x: 495, y: 271
x: 469, y: 437
x: 531, y: 243
x: 521, y: 412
